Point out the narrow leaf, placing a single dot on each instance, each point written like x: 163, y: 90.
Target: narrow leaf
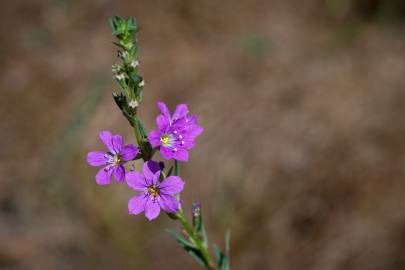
x: 183, y: 242
x: 196, y: 254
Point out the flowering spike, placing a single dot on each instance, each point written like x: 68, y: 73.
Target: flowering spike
x: 175, y: 136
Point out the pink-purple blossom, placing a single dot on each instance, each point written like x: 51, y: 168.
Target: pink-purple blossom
x: 176, y: 133
x: 118, y: 153
x: 155, y: 194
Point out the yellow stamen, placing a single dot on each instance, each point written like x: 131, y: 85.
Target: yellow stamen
x: 117, y: 159
x: 165, y: 140
x: 153, y: 191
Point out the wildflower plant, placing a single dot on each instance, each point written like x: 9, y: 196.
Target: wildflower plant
x: 158, y: 187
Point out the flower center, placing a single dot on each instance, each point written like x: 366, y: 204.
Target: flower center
x: 117, y: 159
x: 165, y: 139
x: 153, y: 191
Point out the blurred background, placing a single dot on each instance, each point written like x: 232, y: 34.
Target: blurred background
x: 303, y: 153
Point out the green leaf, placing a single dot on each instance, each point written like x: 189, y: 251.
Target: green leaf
x: 196, y: 254
x: 189, y: 247
x: 218, y: 255
x: 183, y: 242
x: 117, y: 25
x: 204, y: 236
x: 122, y: 104
x: 227, y: 242
x: 135, y: 77
x: 222, y: 260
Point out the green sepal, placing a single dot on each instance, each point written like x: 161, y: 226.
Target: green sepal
x: 119, y: 45
x: 132, y: 25
x: 138, y: 156
x: 170, y: 171
x: 172, y: 215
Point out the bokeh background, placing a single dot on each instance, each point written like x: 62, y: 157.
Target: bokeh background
x: 303, y: 153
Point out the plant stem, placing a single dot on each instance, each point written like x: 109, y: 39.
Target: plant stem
x: 190, y: 230
x: 193, y: 236
x: 138, y: 136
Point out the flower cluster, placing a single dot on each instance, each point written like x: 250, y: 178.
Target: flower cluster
x: 175, y: 136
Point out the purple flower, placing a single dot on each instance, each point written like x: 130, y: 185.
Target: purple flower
x: 113, y: 160
x: 176, y: 134
x: 154, y: 194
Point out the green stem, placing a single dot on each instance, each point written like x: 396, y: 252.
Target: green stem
x: 176, y: 167
x: 190, y: 230
x: 193, y: 236
x: 138, y: 135
x: 139, y: 138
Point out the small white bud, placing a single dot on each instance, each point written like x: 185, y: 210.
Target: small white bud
x: 142, y: 83
x: 124, y: 54
x: 133, y: 104
x: 135, y: 63
x: 120, y: 76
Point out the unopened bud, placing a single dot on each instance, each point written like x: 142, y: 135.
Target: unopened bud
x: 133, y: 104
x: 135, y: 63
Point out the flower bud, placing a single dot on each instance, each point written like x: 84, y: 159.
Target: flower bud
x: 196, y: 213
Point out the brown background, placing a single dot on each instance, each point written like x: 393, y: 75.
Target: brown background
x: 303, y: 153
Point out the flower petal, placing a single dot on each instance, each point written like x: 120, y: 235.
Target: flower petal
x: 195, y: 131
x: 180, y: 112
x: 136, y: 181
x: 136, y: 204
x: 119, y: 173
x: 150, y: 168
x: 155, y: 179
x: 152, y: 209
x: 163, y: 108
x: 181, y: 154
x: 96, y: 158
x: 118, y: 143
x: 169, y: 203
x: 129, y: 152
x: 171, y: 185
x: 154, y: 138
x: 103, y: 177
x: 163, y: 122
x: 106, y: 138
x: 166, y: 152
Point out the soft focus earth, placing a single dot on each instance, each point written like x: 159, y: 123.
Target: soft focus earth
x: 303, y: 153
